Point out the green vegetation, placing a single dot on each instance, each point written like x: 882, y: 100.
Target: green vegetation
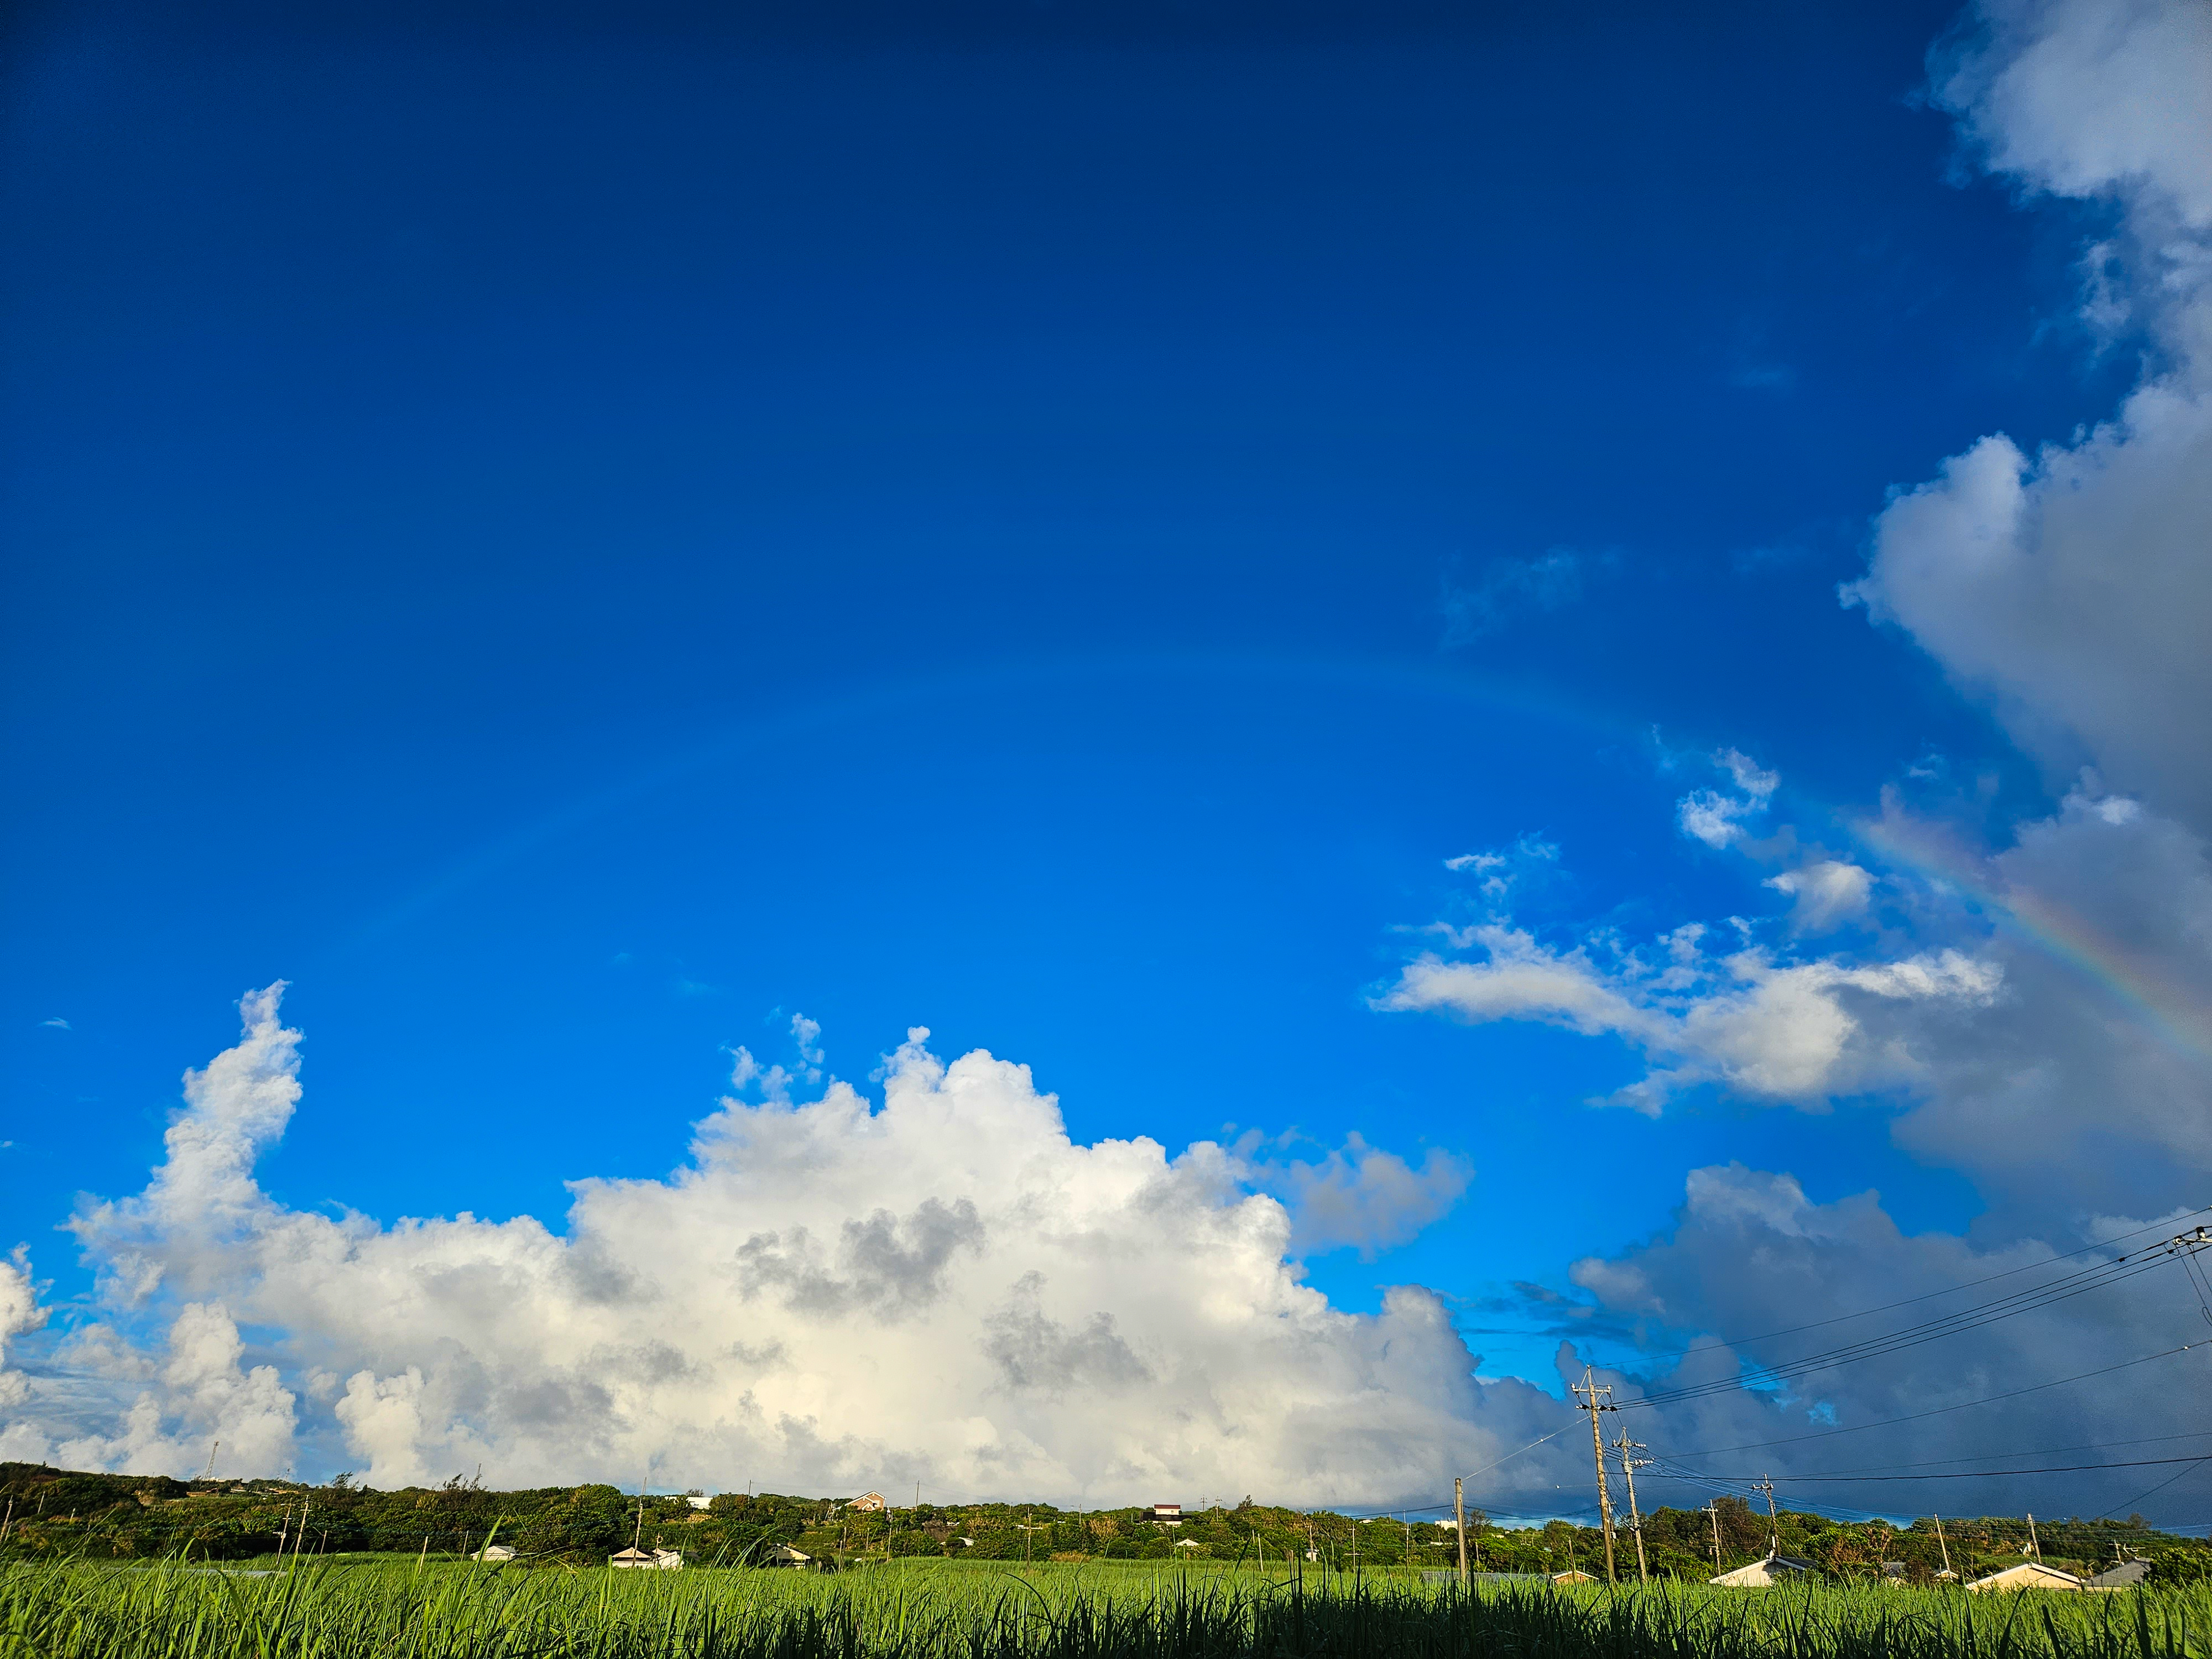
x: 58, y: 1514
x: 58, y: 1609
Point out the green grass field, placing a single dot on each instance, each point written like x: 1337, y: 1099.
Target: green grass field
x: 348, y: 1610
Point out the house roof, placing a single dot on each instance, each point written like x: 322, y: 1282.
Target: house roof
x: 2028, y: 1575
x: 2119, y: 1577
x: 1757, y: 1575
x: 631, y: 1555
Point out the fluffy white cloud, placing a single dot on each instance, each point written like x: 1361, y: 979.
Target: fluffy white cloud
x: 1797, y: 1032
x: 1827, y: 892
x: 829, y: 1295
x: 1357, y: 1195
x: 1716, y: 817
x: 19, y: 1313
x: 2073, y: 586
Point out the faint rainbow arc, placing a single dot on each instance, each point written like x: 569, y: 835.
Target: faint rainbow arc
x: 2058, y: 931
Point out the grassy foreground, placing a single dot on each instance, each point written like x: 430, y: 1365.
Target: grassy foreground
x: 55, y: 1610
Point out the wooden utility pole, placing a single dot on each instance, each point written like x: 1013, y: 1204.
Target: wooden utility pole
x: 1593, y: 1403
x: 1628, y: 1469
x: 1942, y: 1545
x: 1713, y: 1509
x: 2033, y: 1547
x: 1459, y: 1520
x: 1773, y: 1521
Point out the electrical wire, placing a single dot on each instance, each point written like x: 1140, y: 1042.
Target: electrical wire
x: 1928, y: 1296
x: 2046, y: 1451
x: 1979, y: 1474
x: 1939, y: 1410
x: 2130, y: 1503
x: 2101, y: 1276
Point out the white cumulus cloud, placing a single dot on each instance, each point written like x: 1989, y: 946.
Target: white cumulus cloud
x: 831, y: 1293
x: 1795, y: 1031
x: 2072, y: 586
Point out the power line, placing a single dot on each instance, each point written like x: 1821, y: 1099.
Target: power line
x: 2102, y: 1276
x: 1927, y: 1296
x: 2153, y: 1492
x: 1939, y: 1410
x: 1982, y: 1474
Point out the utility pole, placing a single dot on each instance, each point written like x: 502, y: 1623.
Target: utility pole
x: 1713, y: 1509
x: 2034, y: 1548
x: 1593, y: 1403
x: 1773, y: 1523
x: 208, y: 1474
x: 1628, y: 1469
x: 1459, y: 1520
x: 1942, y: 1545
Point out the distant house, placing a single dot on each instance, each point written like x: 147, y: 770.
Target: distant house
x: 2029, y: 1575
x: 1187, y: 1544
x: 696, y: 1500
x: 665, y: 1560
x: 1572, y: 1575
x: 1167, y: 1515
x: 496, y: 1552
x: 784, y: 1556
x: 2126, y: 1576
x: 1764, y: 1573
x: 868, y: 1502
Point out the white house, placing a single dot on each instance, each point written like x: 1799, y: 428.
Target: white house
x: 1167, y: 1515
x: 1761, y: 1574
x: 2029, y: 1575
x: 665, y: 1560
x: 496, y: 1552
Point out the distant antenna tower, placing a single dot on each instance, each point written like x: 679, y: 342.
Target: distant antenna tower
x: 208, y: 1474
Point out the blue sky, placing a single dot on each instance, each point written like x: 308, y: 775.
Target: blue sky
x: 573, y: 541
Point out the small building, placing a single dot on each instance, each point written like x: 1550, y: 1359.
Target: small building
x: 2029, y: 1575
x: 632, y: 1557
x: 1186, y: 1544
x: 1167, y: 1515
x: 868, y: 1502
x: 1573, y: 1576
x: 495, y: 1552
x: 2126, y: 1576
x: 784, y: 1556
x: 697, y: 1500
x: 1764, y: 1573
